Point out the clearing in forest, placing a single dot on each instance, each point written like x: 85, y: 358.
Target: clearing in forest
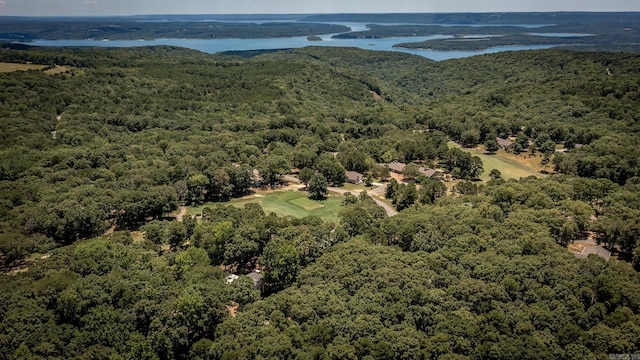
x: 11, y: 67
x: 511, y: 166
x: 285, y: 203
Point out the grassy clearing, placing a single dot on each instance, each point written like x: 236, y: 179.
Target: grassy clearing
x: 285, y: 203
x: 11, y: 67
x: 57, y: 70
x: 137, y: 236
x: 307, y: 204
x: 511, y: 166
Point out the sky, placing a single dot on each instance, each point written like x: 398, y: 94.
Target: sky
x: 141, y: 7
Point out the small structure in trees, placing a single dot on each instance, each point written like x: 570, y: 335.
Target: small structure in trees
x: 397, y: 167
x: 354, y: 177
x: 504, y: 143
x: 258, y: 279
x: 430, y: 173
x: 255, y: 276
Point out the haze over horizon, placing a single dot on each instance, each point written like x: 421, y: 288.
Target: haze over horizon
x: 169, y: 7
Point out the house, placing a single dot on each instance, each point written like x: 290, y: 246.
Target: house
x: 256, y: 276
x: 397, y: 167
x: 504, y: 143
x: 258, y: 279
x: 595, y: 250
x: 430, y: 173
x: 354, y: 177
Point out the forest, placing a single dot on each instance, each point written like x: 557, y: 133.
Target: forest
x: 610, y: 35
x: 97, y: 156
x: 135, y: 28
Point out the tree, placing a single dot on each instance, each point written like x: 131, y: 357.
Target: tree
x: 495, y: 174
x: 281, y: 264
x: 331, y: 169
x: 411, y: 171
x: 153, y: 232
x: 380, y: 171
x: 303, y: 158
x: 220, y: 186
x: 406, y: 196
x: 176, y: 233
x: 547, y: 148
x: 491, y: 145
x: 430, y: 190
x: 391, y: 189
x: 197, y: 185
x: 273, y: 167
x: 318, y: 187
x: 466, y: 188
x: 305, y: 175
x: 470, y: 138
x: 354, y: 159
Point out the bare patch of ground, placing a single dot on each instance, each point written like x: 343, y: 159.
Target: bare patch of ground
x: 11, y: 67
x: 233, y: 309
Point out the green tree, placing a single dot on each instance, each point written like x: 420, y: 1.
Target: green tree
x: 281, y: 264
x: 197, y: 185
x: 305, y: 175
x: 491, y: 146
x: 318, y: 187
x: 273, y: 167
x: 470, y: 138
x: 176, y: 233
x: 411, y: 171
x: 331, y: 169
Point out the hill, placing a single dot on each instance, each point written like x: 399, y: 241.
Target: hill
x: 94, y: 160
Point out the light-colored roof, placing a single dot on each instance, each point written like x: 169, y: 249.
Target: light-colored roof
x: 397, y: 166
x: 595, y: 250
x: 504, y: 142
x: 256, y: 277
x: 428, y: 172
x: 353, y: 175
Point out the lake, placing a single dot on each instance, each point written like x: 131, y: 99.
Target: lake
x: 220, y: 45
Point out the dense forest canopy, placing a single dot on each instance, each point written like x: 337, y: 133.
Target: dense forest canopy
x: 100, y: 145
x: 134, y: 28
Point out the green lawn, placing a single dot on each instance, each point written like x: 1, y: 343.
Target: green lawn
x: 286, y: 203
x: 510, y: 169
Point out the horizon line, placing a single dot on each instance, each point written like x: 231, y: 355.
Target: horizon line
x: 329, y: 13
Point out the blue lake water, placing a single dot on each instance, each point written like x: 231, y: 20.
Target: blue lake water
x: 220, y: 45
x: 561, y: 34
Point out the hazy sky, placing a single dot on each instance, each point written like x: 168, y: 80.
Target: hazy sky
x: 132, y: 7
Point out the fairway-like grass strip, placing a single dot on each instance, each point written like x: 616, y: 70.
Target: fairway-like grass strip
x: 307, y: 204
x: 284, y: 203
x: 11, y: 67
x: 509, y: 165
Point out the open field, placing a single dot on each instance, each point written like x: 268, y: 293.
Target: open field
x: 11, y: 67
x: 285, y: 203
x: 57, y: 70
x: 511, y: 166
